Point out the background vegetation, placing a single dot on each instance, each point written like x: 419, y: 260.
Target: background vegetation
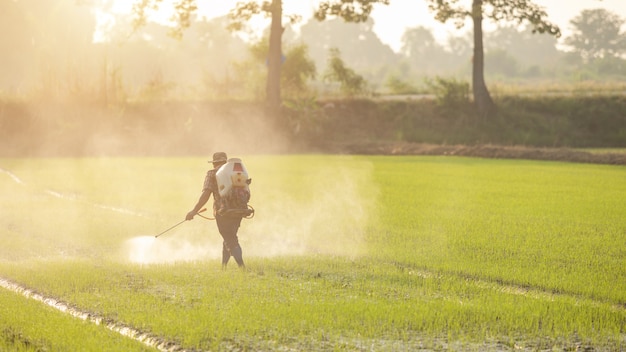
x: 197, y: 128
x: 70, y: 54
x: 73, y: 87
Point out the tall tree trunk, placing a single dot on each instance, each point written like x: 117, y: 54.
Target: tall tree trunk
x: 482, y: 98
x: 274, y: 57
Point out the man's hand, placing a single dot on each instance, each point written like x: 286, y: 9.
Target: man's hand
x: 190, y: 215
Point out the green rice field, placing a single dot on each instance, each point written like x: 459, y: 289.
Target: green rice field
x: 345, y: 253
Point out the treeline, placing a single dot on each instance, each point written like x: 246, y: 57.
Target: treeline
x: 198, y: 128
x: 63, y: 52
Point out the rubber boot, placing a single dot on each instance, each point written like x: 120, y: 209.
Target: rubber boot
x: 238, y: 255
x: 225, y: 256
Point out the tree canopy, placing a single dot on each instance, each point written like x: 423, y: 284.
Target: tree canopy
x: 349, y: 10
x: 597, y: 34
x: 518, y: 11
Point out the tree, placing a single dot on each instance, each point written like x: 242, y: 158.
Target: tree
x: 497, y: 10
x: 354, y: 39
x: 597, y: 34
x: 418, y: 41
x: 349, y: 10
x: 242, y: 13
x: 528, y: 49
x: 349, y: 81
x: 295, y: 72
x: 422, y: 50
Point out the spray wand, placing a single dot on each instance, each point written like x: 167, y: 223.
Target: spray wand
x: 198, y: 213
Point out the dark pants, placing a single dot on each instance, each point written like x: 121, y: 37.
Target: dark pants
x: 228, y: 227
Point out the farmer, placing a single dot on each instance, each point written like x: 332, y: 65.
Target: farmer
x: 227, y: 225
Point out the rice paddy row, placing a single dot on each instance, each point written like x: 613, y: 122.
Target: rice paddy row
x: 375, y: 252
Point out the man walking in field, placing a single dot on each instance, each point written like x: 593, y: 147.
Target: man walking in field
x: 227, y: 225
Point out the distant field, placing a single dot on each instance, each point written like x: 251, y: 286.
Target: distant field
x: 605, y: 150
x: 344, y: 253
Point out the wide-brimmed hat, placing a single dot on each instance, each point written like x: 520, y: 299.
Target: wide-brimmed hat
x: 219, y: 157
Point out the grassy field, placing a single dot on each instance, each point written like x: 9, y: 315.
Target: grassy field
x: 344, y: 253
x: 26, y: 325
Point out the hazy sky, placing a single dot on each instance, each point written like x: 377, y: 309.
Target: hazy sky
x: 392, y: 20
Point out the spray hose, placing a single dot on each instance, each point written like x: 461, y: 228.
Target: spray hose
x: 204, y: 209
x: 245, y: 213
x: 205, y: 217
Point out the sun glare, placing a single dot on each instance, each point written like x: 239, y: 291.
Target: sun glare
x: 105, y: 22
x: 107, y: 13
x: 390, y: 21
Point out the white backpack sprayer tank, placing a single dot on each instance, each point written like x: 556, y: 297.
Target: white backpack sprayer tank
x: 233, y: 184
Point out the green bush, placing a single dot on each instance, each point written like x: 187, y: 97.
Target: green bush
x: 398, y: 86
x: 450, y: 92
x: 350, y: 82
